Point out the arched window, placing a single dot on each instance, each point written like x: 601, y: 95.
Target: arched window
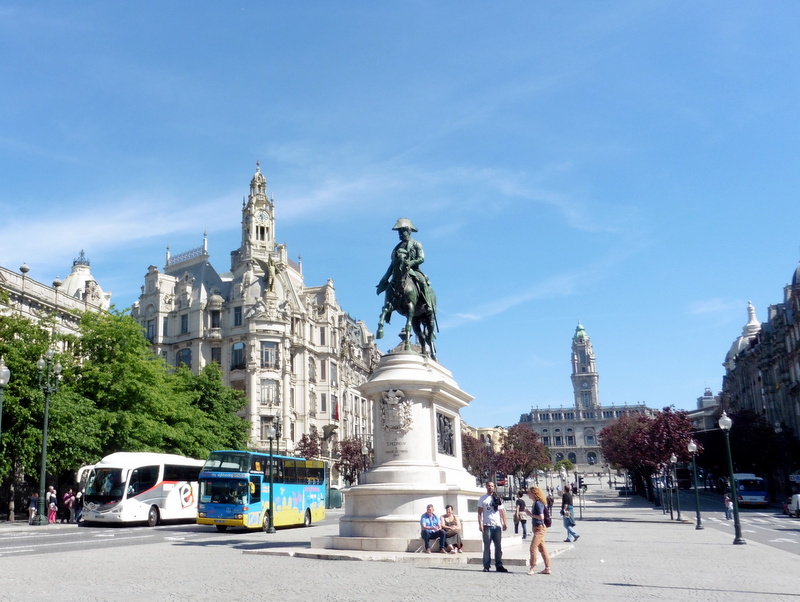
x: 184, y: 357
x: 572, y: 457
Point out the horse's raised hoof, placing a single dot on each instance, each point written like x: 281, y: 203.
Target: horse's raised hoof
x: 379, y: 334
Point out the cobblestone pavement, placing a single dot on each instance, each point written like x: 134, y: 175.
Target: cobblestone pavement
x: 627, y: 551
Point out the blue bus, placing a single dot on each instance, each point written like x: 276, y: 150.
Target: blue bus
x: 750, y: 489
x: 234, y: 490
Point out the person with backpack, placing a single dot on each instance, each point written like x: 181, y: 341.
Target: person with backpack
x: 541, y: 520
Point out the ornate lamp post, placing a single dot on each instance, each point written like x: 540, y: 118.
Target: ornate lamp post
x: 272, y: 433
x: 49, y: 373
x: 5, y: 375
x: 725, y: 423
x: 488, y: 442
x: 693, y: 450
x: 674, y: 459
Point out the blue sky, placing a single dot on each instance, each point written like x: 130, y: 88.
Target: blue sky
x: 632, y: 165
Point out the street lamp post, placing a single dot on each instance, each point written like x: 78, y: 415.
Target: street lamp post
x: 272, y: 433
x: 725, y: 423
x: 488, y: 443
x: 49, y: 374
x: 5, y: 375
x: 693, y: 450
x: 674, y: 460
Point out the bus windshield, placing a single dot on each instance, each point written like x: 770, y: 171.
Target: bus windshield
x: 223, y: 491
x: 105, y: 484
x: 758, y: 485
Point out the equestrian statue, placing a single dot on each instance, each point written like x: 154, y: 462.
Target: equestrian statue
x: 409, y: 292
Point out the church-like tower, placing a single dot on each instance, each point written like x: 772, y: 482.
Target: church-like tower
x: 584, y: 372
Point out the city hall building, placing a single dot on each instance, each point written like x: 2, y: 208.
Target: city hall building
x: 572, y: 432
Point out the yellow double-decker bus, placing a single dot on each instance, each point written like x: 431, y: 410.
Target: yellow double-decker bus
x: 234, y: 490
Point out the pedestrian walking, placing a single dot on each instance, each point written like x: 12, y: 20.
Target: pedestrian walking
x: 492, y: 523
x: 69, y: 503
x: 728, y: 506
x: 52, y: 505
x: 33, y: 507
x: 520, y: 516
x: 568, y: 512
x: 539, y: 530
x: 78, y: 505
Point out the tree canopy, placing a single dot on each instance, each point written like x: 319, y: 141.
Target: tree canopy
x: 114, y: 395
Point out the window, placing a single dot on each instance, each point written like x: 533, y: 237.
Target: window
x: 546, y: 440
x: 216, y: 318
x: 334, y: 373
x: 559, y: 440
x: 590, y: 440
x: 323, y: 369
x: 322, y: 335
x: 151, y: 330
x: 571, y: 440
x: 237, y: 316
x: 557, y: 416
x: 323, y: 403
x: 142, y: 479
x: 216, y: 355
x: 164, y: 323
x: 184, y: 358
x: 269, y: 392
x: 572, y: 457
x: 312, y: 370
x: 237, y: 357
x: 269, y: 355
x: 184, y: 323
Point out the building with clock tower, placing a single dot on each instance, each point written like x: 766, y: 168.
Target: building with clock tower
x: 290, y: 348
x: 572, y: 432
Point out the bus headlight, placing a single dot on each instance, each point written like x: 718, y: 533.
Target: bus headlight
x: 238, y: 516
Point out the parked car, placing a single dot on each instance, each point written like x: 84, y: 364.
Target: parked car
x: 792, y: 506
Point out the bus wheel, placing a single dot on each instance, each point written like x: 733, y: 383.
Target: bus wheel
x: 265, y: 522
x: 222, y: 528
x: 307, y: 519
x: 152, y: 516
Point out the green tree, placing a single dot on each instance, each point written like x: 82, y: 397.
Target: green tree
x: 219, y: 403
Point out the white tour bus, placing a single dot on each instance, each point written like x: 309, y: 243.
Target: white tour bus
x: 131, y: 487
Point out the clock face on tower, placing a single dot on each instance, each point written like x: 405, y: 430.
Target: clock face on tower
x: 584, y: 385
x: 262, y: 216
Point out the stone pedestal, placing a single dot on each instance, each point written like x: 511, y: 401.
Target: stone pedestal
x: 417, y: 446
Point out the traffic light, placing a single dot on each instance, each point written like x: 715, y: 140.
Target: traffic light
x: 580, y: 483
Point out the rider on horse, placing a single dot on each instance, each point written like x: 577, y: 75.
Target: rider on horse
x: 406, y: 259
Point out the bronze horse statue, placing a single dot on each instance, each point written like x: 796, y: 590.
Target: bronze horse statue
x: 408, y: 292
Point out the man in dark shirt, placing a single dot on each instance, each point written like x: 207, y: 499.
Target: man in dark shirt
x: 568, y: 512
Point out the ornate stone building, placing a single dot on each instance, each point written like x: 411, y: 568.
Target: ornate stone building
x: 762, y: 367
x: 295, y: 353
x: 571, y: 432
x: 79, y: 291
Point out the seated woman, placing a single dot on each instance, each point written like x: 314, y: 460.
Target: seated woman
x: 452, y: 530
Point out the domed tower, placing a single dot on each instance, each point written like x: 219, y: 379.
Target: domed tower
x: 584, y: 372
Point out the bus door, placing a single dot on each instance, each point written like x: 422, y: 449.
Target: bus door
x: 254, y: 508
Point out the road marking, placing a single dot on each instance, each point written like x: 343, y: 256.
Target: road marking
x: 29, y: 548
x: 782, y: 540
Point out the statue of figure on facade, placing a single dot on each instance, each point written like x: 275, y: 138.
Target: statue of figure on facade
x: 408, y: 291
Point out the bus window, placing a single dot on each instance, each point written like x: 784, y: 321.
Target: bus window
x: 142, y: 479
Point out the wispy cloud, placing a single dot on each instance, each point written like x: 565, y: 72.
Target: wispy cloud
x: 716, y: 306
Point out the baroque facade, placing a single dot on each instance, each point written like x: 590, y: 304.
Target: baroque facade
x: 297, y: 356
x: 571, y: 433
x: 63, y: 300
x: 762, y: 367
